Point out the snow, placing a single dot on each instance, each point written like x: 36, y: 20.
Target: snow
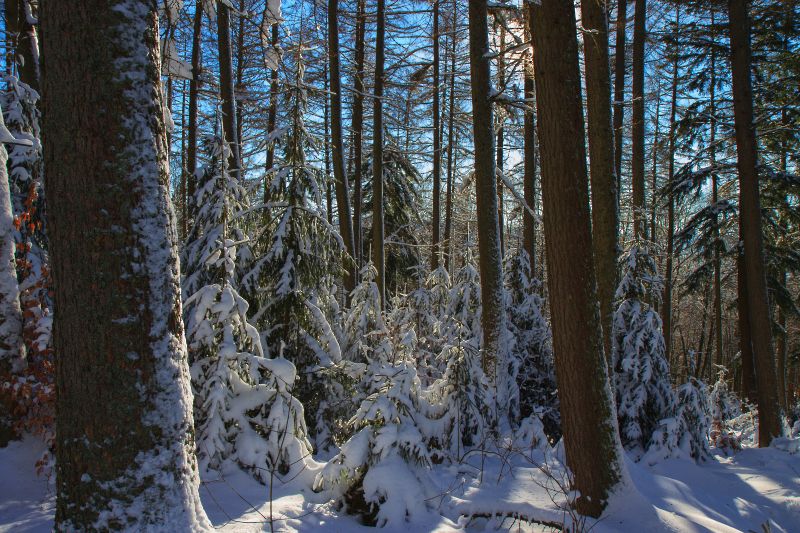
x: 727, y: 494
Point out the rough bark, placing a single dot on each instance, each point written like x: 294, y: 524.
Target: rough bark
x: 501, y: 80
x: 591, y: 438
x: 637, y: 122
x: 485, y: 185
x: 226, y: 89
x: 124, y: 445
x: 437, y: 144
x: 605, y: 220
x: 748, y: 385
x: 769, y: 412
x: 272, y: 115
x: 341, y: 186
x: 378, y: 258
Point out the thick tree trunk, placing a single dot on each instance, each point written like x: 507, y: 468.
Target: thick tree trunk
x: 745, y: 341
x: 437, y: 144
x: 485, y: 186
x: 340, y: 177
x: 769, y: 413
x: 194, y: 89
x: 358, y: 131
x: 529, y: 178
x: 619, y: 91
x: 378, y: 258
x: 588, y: 416
x: 637, y: 138
x: 605, y: 220
x: 124, y: 445
x: 226, y: 89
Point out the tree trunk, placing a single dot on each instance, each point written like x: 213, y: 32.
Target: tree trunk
x: 451, y: 157
x: 378, y: 259
x: 358, y: 131
x: 340, y: 177
x: 666, y: 310
x: 591, y: 438
x: 272, y: 116
x: 619, y: 92
x: 745, y: 340
x: 240, y: 77
x: 529, y: 178
x: 437, y: 143
x: 750, y: 215
x: 605, y: 220
x: 25, y: 48
x: 226, y: 90
x: 637, y: 139
x: 485, y: 186
x: 124, y: 445
x: 501, y: 81
x: 194, y: 89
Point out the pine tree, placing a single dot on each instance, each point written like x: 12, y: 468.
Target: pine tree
x: 641, y: 371
x: 533, y: 348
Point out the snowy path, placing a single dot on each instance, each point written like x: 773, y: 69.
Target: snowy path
x: 727, y: 494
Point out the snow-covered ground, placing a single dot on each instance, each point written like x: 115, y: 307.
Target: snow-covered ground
x: 742, y: 492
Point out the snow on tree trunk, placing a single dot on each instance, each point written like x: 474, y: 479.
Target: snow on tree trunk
x: 11, y: 347
x: 126, y: 461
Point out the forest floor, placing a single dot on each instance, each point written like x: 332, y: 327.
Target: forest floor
x: 741, y: 492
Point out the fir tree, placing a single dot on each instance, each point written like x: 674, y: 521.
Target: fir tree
x: 641, y: 372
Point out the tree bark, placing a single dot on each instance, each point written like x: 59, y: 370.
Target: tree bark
x: 591, y: 438
x: 605, y: 220
x: 769, y: 412
x: 437, y: 144
x: 637, y: 139
x: 378, y: 258
x: 226, y: 89
x: 340, y: 177
x: 124, y: 445
x: 501, y: 80
x: 745, y: 341
x: 26, y: 46
x: 485, y: 186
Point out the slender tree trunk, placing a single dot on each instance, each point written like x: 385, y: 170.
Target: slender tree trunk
x: 702, y: 356
x: 272, y: 116
x: 240, y: 77
x: 529, y: 178
x: 118, y: 331
x: 328, y: 191
x: 485, y: 186
x: 501, y: 80
x: 378, y: 258
x: 619, y: 92
x: 637, y: 139
x: 226, y: 89
x: 769, y: 413
x: 358, y: 131
x: 605, y: 221
x: 341, y: 186
x: 437, y: 143
x: 451, y: 156
x: 591, y: 438
x: 194, y: 89
x: 715, y: 198
x: 654, y: 170
x: 666, y: 310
